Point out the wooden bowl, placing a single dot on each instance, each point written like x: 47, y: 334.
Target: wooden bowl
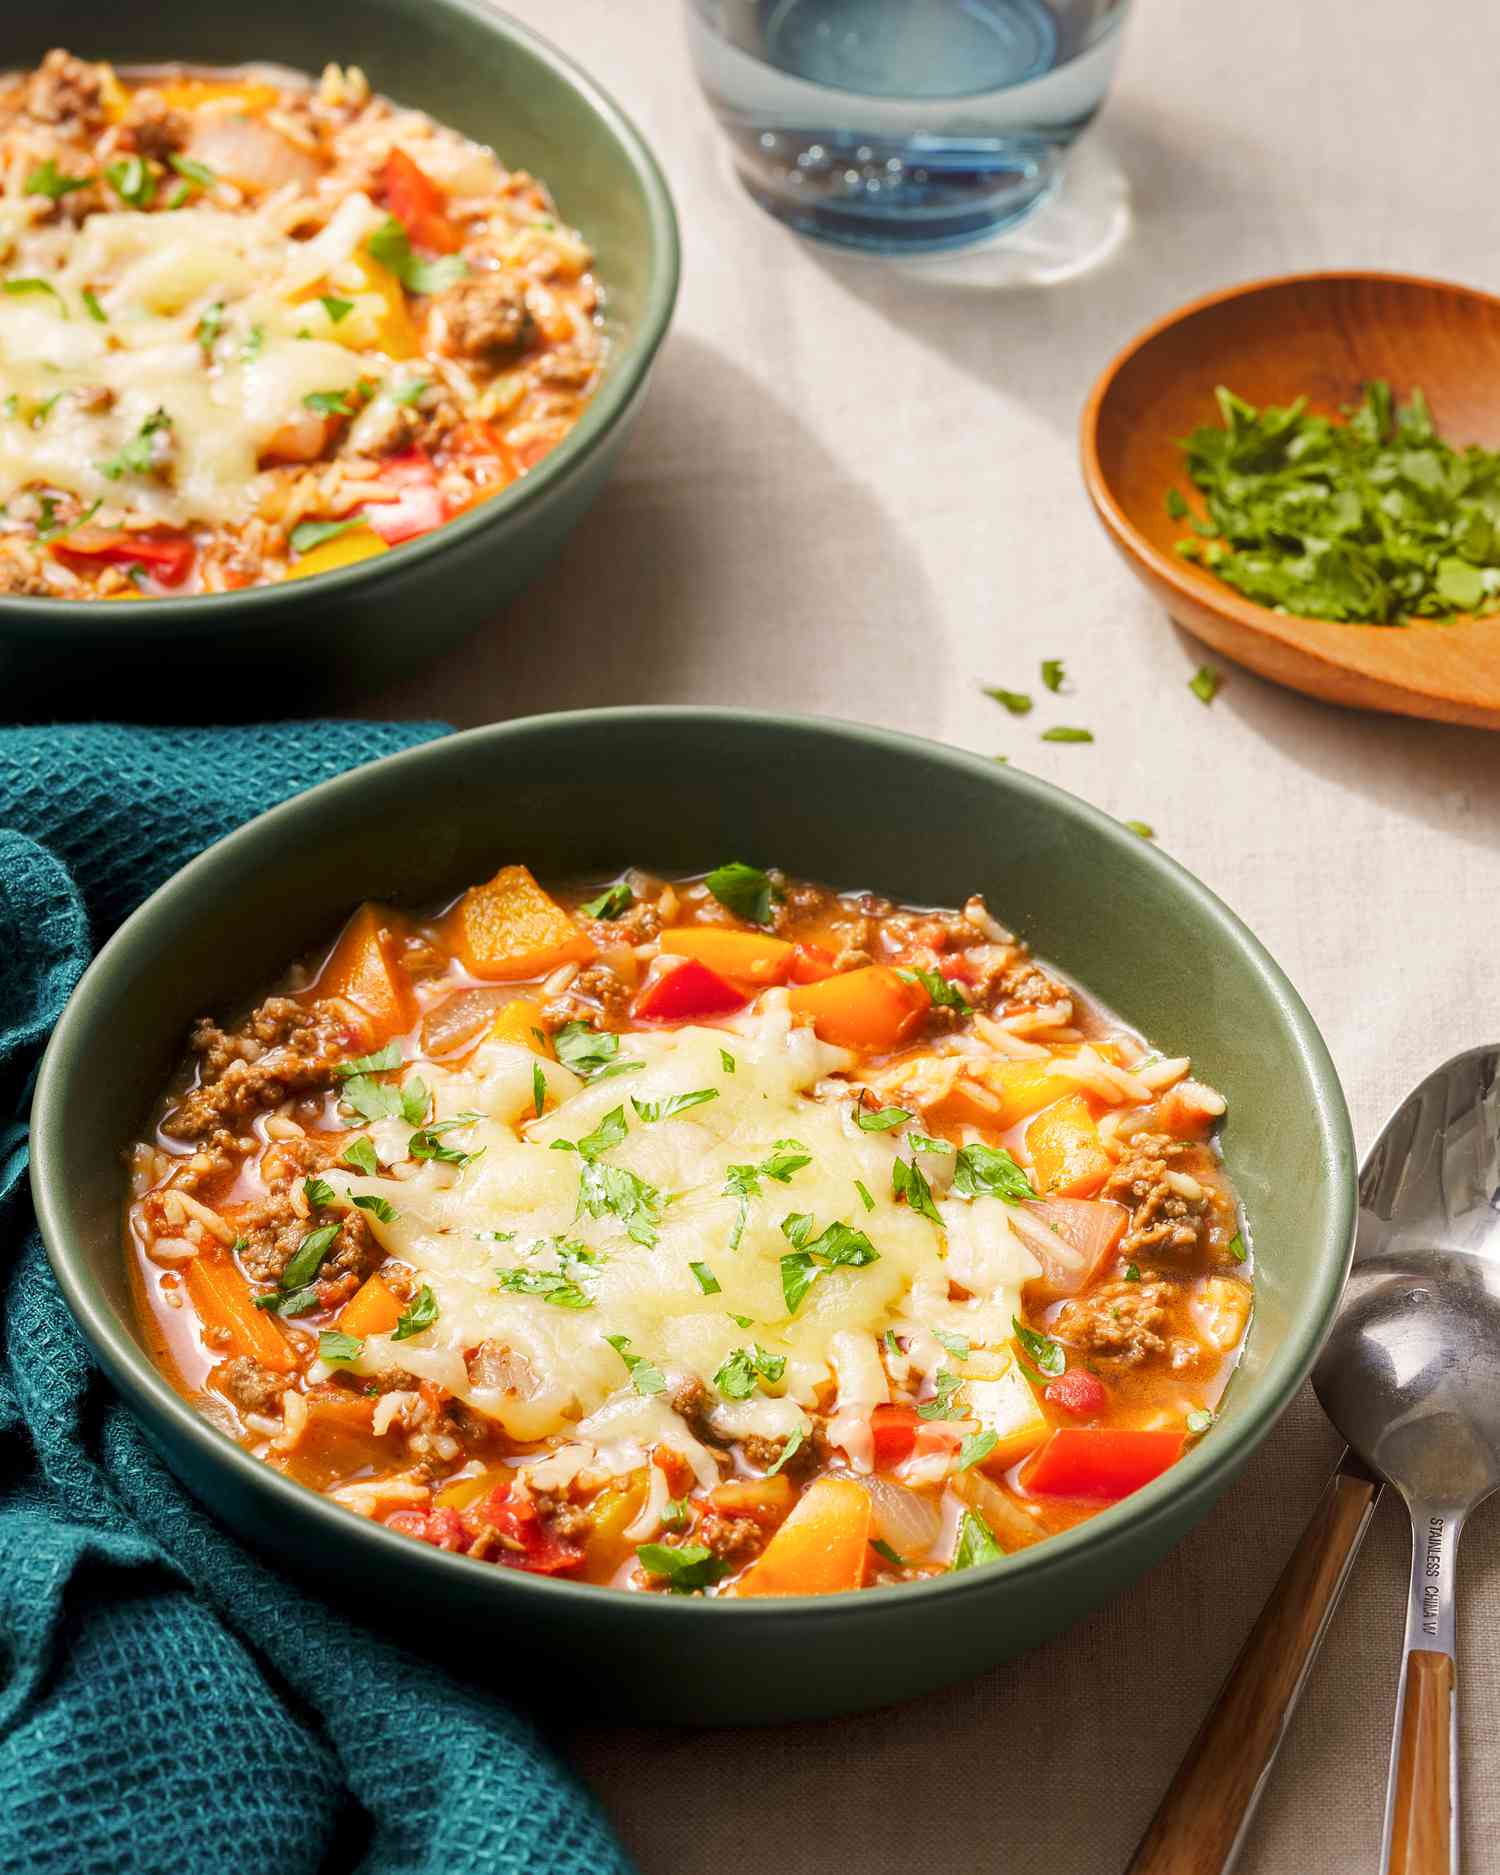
x: 1321, y: 335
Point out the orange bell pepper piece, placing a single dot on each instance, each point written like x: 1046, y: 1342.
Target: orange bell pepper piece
x: 373, y: 1309
x: 1068, y: 1159
x: 744, y: 956
x: 520, y: 1022
x: 821, y: 1548
x: 510, y: 928
x: 362, y: 968
x: 872, y: 1008
x: 224, y: 1300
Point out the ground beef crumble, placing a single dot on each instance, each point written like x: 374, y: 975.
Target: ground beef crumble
x: 1161, y: 1220
x: 731, y: 1539
x: 251, y: 1387
x: 66, y: 92
x: 1121, y: 1322
x: 567, y: 1520
x: 484, y: 319
x: 280, y: 1050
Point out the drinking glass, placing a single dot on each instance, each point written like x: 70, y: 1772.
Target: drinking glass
x: 903, y: 126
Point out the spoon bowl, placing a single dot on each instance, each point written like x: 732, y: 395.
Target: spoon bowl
x: 1410, y: 1375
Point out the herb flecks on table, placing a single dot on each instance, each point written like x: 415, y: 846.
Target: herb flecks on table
x: 1376, y: 520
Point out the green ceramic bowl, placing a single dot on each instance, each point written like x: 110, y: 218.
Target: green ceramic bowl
x: 495, y: 80
x: 686, y: 788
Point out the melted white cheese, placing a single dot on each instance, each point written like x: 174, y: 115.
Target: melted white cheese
x: 505, y: 1210
x: 156, y: 277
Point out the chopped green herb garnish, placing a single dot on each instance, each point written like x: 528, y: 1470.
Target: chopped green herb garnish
x: 737, y: 1375
x: 409, y: 394
x: 644, y: 1377
x: 17, y: 288
x: 839, y: 1245
x: 976, y: 1448
x: 48, y: 180
x: 538, y: 1090
x: 1132, y: 1273
x: 880, y: 1122
x: 864, y: 1194
x: 793, y: 1445
x: 1140, y: 827
x: 415, y: 1101
x: 210, y: 325
x: 329, y: 403
x: 309, y: 534
x: 941, y: 1406
x: 945, y: 995
x: 989, y: 1172
x: 390, y: 246
x: 613, y: 902
x: 956, y: 1345
x: 924, y: 1142
x: 1176, y: 506
x: 426, y: 1144
x: 673, y: 1104
x: 139, y: 456
x: 976, y: 1543
x: 1045, y: 1353
x: 685, y: 1567
x: 726, y: 1060
x: 1204, y: 683
x: 1052, y: 673
x: 705, y: 1279
x: 908, y: 1182
x: 335, y: 1346
x: 743, y: 1181
x: 337, y: 309
x: 421, y: 1312
x: 1237, y: 1247
x: 360, y: 1153
x: 379, y: 1063
x: 1199, y: 1421
x: 674, y: 1514
x: 178, y: 199
x: 378, y: 1207
x: 1016, y: 701
x: 132, y: 181
x: 884, y: 1551
x: 547, y: 1285
x: 307, y: 1259
x: 254, y: 344
x: 744, y: 890
x: 92, y: 307
x: 191, y: 170
x: 1060, y: 733
x: 592, y: 1053
x: 1373, y: 520
x: 317, y: 1191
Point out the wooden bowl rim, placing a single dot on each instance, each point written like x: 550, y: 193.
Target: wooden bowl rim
x: 1208, y: 593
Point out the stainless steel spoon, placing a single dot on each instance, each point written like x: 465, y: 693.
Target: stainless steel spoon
x: 1410, y: 1375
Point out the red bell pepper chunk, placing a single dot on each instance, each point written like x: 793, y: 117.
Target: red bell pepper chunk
x: 418, y: 509
x: 1078, y: 1392
x: 541, y: 1553
x: 811, y: 963
x: 418, y: 204
x: 166, y: 557
x: 895, y: 1433
x: 1105, y: 1462
x: 688, y: 992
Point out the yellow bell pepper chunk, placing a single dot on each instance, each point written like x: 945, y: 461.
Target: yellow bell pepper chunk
x: 187, y: 94
x: 360, y: 543
x: 378, y: 318
x: 520, y: 1022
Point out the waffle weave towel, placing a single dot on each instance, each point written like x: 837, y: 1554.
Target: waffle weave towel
x: 167, y: 1703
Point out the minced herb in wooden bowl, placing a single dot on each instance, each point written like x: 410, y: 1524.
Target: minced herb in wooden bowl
x: 1376, y: 520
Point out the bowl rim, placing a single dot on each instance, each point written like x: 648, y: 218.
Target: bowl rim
x: 1198, y: 1475
x: 248, y: 607
x: 1213, y: 595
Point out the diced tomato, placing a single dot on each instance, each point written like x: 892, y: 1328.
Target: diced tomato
x: 420, y: 506
x: 528, y: 1542
x: 811, y: 963
x: 418, y: 204
x: 1078, y: 1392
x: 1103, y: 1462
x: 166, y: 557
x: 894, y: 1429
x: 687, y: 993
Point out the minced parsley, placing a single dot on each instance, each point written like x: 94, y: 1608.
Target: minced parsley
x: 1374, y: 520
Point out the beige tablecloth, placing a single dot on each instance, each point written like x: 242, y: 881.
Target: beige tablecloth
x: 854, y: 490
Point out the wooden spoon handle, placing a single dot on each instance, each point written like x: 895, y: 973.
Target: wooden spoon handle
x: 1198, y: 1828
x: 1422, y: 1793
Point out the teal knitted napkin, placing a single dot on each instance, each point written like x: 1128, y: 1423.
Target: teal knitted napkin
x: 168, y: 1703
